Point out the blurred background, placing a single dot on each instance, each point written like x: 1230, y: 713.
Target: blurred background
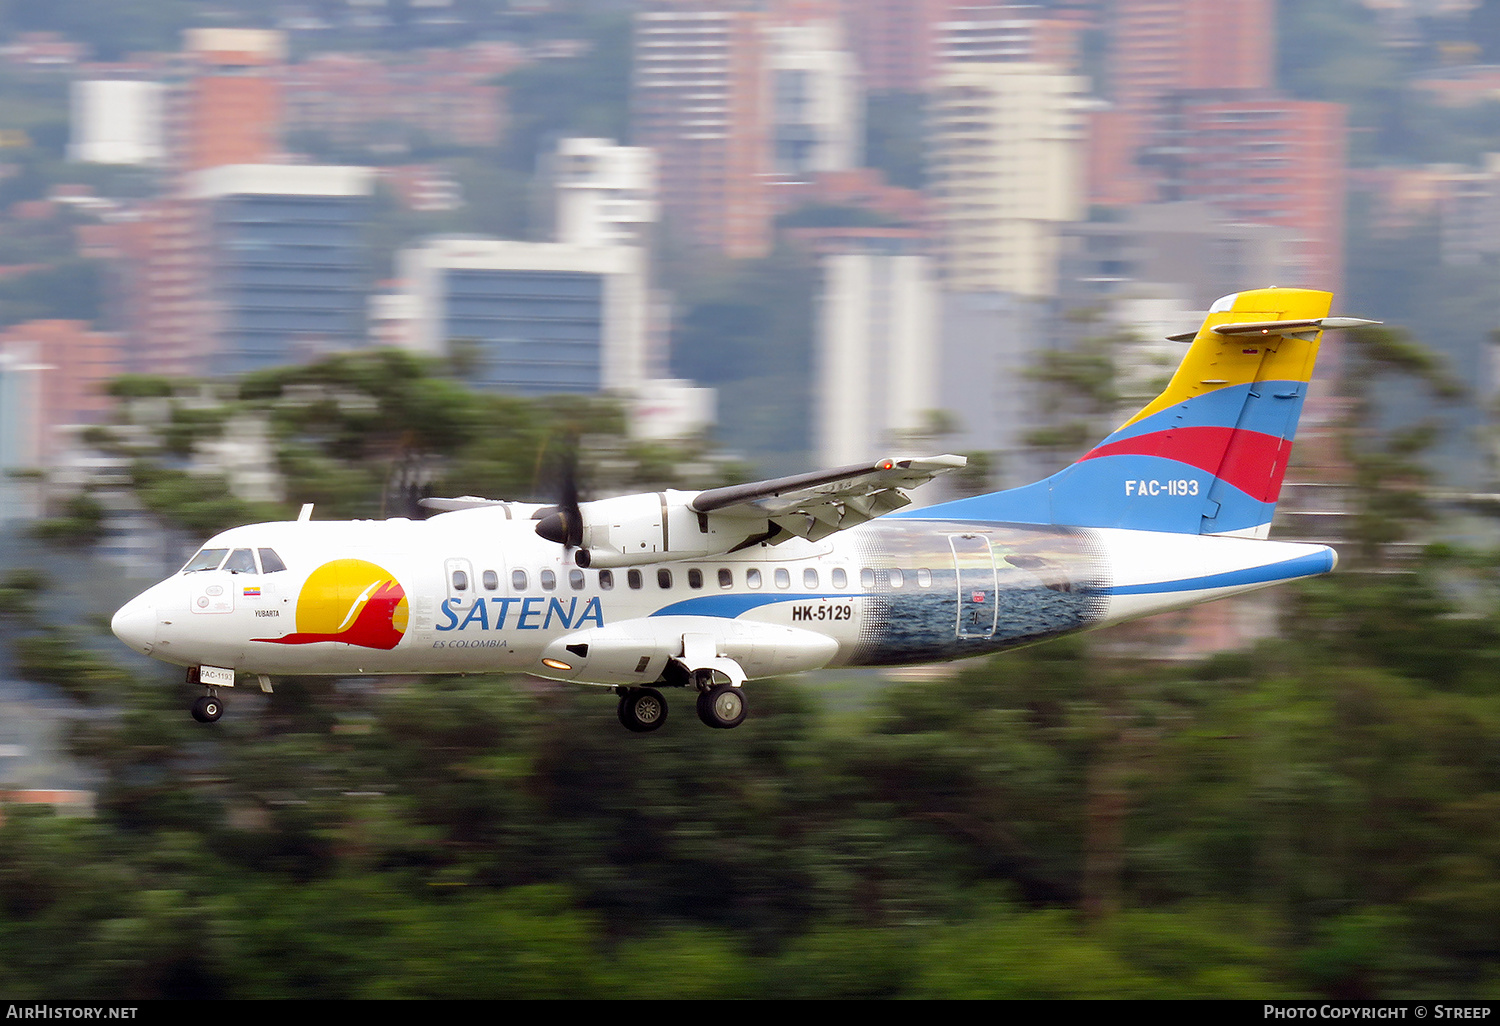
x: 356, y: 252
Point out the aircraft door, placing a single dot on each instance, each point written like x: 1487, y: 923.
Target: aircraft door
x: 974, y: 564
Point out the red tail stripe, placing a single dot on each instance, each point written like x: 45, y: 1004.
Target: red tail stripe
x: 1251, y: 461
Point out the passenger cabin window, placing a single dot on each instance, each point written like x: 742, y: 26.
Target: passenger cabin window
x: 726, y: 578
x: 575, y: 580
x: 460, y: 581
x: 270, y: 563
x: 783, y: 579
x: 695, y: 578
x: 549, y: 580
x: 518, y: 580
x: 634, y: 579
x: 840, y: 578
x: 897, y: 578
x: 924, y: 578
x: 240, y: 561
x: 809, y: 578
x: 490, y: 579
x: 606, y: 580
x: 752, y: 578
x: 867, y: 578
x: 207, y: 559
x: 663, y: 578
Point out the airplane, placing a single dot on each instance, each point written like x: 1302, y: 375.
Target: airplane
x: 704, y: 591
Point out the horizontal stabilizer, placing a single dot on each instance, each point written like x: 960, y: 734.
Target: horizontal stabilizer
x: 1278, y: 327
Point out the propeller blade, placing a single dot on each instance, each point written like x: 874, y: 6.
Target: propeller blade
x: 564, y: 526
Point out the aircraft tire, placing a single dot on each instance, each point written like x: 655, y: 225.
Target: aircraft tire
x: 722, y: 707
x: 642, y: 710
x: 208, y: 709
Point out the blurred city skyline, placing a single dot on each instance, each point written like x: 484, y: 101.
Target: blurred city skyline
x: 352, y: 252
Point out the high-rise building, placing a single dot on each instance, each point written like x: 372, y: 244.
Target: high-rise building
x: 154, y: 287
x: 531, y: 318
x: 877, y: 356
x: 1161, y: 47
x: 288, y: 272
x: 698, y: 99
x: 229, y: 112
x: 1263, y: 160
x: 117, y: 121
x: 1006, y: 171
x: 605, y: 193
x: 817, y: 109
x: 1164, y: 46
x: 1005, y: 32
x: 77, y: 363
x: 892, y: 41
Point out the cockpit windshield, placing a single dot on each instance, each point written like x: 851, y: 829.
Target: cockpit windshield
x: 206, y: 559
x: 240, y: 561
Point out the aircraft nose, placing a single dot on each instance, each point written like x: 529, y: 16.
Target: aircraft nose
x: 135, y: 624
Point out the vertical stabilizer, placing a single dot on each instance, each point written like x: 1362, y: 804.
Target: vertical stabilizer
x: 1208, y: 455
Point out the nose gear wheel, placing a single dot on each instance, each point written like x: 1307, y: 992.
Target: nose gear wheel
x: 208, y: 709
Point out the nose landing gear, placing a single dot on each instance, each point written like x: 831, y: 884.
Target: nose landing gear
x: 208, y: 708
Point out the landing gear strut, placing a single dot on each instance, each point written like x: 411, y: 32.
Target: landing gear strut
x: 642, y: 710
x: 209, y: 708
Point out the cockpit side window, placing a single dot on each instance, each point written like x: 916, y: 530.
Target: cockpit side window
x: 206, y: 559
x: 270, y: 562
x: 241, y: 561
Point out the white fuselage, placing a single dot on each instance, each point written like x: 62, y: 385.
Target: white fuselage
x: 477, y: 590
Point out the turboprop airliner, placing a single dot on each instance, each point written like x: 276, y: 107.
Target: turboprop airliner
x: 700, y: 592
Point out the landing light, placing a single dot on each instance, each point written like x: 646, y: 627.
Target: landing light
x: 556, y: 664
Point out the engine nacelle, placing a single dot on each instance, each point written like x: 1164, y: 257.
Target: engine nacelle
x: 655, y: 526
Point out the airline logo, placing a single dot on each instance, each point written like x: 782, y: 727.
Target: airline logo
x: 350, y: 601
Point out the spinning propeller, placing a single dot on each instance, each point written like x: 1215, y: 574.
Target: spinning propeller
x: 564, y: 525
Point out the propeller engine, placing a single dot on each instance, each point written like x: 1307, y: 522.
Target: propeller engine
x: 564, y: 525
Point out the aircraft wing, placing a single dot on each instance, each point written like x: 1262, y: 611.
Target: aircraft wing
x: 649, y: 527
x: 816, y: 505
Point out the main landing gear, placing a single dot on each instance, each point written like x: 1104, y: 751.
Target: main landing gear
x: 642, y: 710
x: 720, y: 706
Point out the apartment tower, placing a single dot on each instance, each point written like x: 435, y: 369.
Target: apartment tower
x: 698, y: 99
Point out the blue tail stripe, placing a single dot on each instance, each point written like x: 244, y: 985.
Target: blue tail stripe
x: 1224, y: 408
x: 1313, y: 563
x: 1107, y: 492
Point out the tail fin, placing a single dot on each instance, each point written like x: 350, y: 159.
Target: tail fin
x: 1207, y: 455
